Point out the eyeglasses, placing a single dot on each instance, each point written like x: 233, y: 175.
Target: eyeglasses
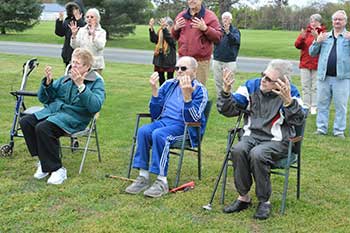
x: 90, y: 17
x: 182, y: 68
x: 339, y: 19
x: 267, y: 78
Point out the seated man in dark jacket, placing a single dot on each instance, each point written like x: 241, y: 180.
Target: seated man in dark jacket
x: 275, y: 106
x: 70, y: 103
x: 177, y: 101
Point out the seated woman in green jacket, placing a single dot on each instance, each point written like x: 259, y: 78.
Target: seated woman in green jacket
x: 70, y: 103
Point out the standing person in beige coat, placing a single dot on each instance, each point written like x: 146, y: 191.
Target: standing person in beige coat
x: 92, y: 37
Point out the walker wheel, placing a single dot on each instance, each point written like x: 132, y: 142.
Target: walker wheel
x: 6, y: 150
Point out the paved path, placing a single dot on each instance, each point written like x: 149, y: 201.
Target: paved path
x: 244, y: 64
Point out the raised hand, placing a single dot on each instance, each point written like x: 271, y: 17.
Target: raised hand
x: 77, y: 14
x: 77, y: 77
x: 154, y: 83
x: 303, y: 33
x: 60, y: 16
x: 74, y: 28
x: 92, y: 31
x: 347, y: 35
x: 283, y: 90
x: 227, y: 27
x: 48, y: 75
x: 151, y: 24
x: 163, y: 23
x: 228, y: 78
x: 321, y: 37
x: 199, y: 24
x: 179, y: 23
x: 186, y: 87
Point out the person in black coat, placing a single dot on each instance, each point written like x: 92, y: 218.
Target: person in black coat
x: 75, y: 12
x: 164, y: 58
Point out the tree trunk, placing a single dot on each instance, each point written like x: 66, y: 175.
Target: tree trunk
x: 3, y: 31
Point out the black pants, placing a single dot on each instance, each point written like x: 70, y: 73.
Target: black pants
x: 252, y: 157
x: 42, y: 139
x: 170, y: 75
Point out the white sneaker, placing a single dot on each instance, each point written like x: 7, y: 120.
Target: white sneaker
x: 57, y: 177
x: 39, y: 174
x: 313, y: 110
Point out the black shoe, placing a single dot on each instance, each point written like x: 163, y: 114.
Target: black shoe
x: 263, y: 211
x: 236, y: 206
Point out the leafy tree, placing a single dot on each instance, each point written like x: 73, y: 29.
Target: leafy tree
x: 19, y: 15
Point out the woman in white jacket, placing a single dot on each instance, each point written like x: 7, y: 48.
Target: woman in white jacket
x: 92, y: 37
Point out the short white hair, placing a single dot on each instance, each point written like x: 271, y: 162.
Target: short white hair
x: 96, y: 13
x: 340, y: 12
x: 226, y: 14
x: 283, y: 67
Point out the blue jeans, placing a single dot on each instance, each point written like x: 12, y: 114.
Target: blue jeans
x: 339, y: 90
x: 159, y: 135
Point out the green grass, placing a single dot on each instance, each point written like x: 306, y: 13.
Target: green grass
x: 254, y: 43
x: 92, y: 203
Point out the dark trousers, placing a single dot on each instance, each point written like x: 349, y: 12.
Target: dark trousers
x: 42, y: 139
x: 252, y: 157
x: 170, y: 75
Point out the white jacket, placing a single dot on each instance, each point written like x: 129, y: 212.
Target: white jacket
x: 96, y: 46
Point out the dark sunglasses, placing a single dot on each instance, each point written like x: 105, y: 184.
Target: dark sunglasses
x: 267, y: 78
x: 91, y: 17
x: 182, y: 68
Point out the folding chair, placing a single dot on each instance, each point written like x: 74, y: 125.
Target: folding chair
x: 282, y: 166
x: 181, y: 145
x: 89, y: 132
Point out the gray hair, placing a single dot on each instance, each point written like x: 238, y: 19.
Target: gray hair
x: 226, y: 14
x: 316, y: 17
x: 283, y: 67
x: 193, y: 62
x: 96, y: 13
x: 340, y: 12
x: 169, y: 21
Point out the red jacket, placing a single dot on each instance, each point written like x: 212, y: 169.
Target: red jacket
x: 306, y: 61
x: 192, y: 41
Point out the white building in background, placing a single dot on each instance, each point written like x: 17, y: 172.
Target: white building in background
x: 51, y: 11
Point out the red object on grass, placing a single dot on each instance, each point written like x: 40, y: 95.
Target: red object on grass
x: 185, y: 187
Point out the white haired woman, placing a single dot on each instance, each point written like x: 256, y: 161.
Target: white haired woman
x: 92, y: 37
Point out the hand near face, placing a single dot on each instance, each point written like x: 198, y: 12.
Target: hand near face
x: 77, y: 77
x: 229, y: 79
x: 48, y: 75
x: 154, y: 83
x: 77, y: 14
x: 283, y: 90
x: 179, y: 23
x: 303, y: 33
x: 74, y: 28
x: 61, y: 16
x: 151, y: 24
x: 186, y: 87
x: 321, y: 37
x: 199, y: 24
x: 314, y: 33
x: 227, y: 27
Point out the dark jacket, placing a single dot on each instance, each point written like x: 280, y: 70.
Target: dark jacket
x: 307, y: 61
x: 268, y: 119
x: 164, y: 60
x: 62, y: 29
x: 226, y: 50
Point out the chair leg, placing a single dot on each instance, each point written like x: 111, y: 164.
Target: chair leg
x: 298, y: 178
x: 223, y: 187
x: 285, y: 189
x: 179, y: 166
x: 85, y: 152
x: 133, y: 145
x: 199, y: 155
x: 97, y: 145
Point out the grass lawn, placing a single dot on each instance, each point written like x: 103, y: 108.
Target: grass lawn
x: 254, y: 43
x: 92, y: 203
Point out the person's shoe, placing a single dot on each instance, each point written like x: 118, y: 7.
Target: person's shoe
x: 140, y: 184
x: 319, y: 132
x: 313, y: 110
x: 58, y: 176
x: 158, y: 189
x: 263, y: 211
x: 39, y: 174
x: 236, y: 206
x: 340, y: 135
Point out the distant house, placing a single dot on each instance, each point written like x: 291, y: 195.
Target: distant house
x: 51, y: 10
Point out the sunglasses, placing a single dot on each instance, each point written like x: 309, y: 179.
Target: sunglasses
x: 89, y: 17
x: 182, y: 68
x: 267, y: 78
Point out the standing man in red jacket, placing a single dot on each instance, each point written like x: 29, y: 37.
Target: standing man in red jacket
x: 308, y: 64
x: 196, y: 29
